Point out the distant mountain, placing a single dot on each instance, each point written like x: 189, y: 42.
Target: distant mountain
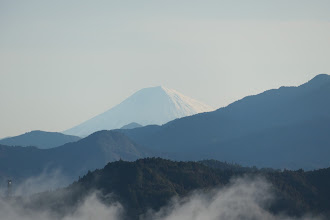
x: 151, y: 183
x: 287, y: 127
x: 40, y: 139
x: 156, y: 105
x: 71, y: 159
x: 131, y: 126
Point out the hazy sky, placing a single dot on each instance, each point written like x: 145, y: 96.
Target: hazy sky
x: 62, y: 62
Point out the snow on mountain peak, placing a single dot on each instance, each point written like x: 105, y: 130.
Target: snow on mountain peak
x: 154, y: 105
x: 187, y: 103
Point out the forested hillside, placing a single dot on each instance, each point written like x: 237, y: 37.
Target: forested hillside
x: 151, y: 183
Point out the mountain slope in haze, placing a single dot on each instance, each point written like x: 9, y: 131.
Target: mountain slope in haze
x: 71, y: 159
x: 151, y: 183
x: 156, y: 105
x: 40, y: 139
x: 131, y: 126
x: 284, y: 128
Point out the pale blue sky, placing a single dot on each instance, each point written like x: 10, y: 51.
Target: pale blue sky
x: 62, y: 62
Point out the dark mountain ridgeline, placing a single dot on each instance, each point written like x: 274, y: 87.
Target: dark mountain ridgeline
x: 291, y: 122
x: 40, y: 139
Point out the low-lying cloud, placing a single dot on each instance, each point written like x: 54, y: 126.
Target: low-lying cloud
x: 47, y: 180
x: 242, y: 199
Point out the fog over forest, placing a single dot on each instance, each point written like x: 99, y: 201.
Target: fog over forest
x: 242, y: 199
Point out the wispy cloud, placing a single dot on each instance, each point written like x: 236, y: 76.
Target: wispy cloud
x: 242, y: 199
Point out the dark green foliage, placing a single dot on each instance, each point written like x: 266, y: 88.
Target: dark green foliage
x: 300, y: 191
x: 152, y: 182
x: 227, y: 166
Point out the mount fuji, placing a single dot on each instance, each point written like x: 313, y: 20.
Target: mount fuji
x: 155, y: 105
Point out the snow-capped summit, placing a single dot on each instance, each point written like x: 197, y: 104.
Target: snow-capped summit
x: 155, y: 105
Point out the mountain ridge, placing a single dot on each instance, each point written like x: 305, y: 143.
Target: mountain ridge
x: 131, y: 126
x: 154, y: 105
x: 71, y: 159
x: 210, y: 133
x: 40, y: 139
x: 151, y: 183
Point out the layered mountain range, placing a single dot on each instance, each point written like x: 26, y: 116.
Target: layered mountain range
x: 71, y: 159
x: 285, y: 128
